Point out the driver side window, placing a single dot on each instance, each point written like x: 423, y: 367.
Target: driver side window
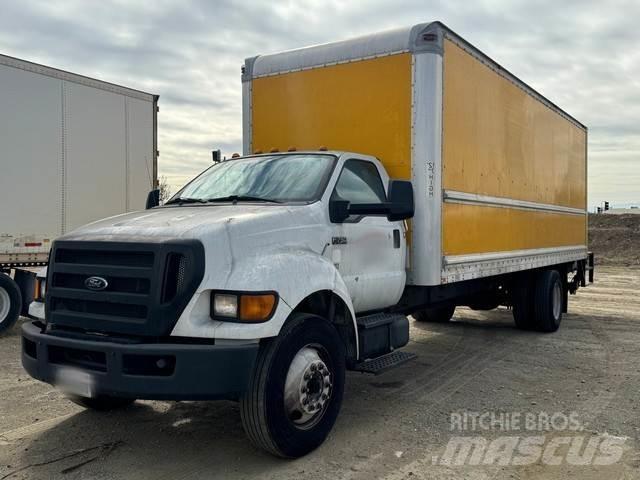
x: 359, y: 182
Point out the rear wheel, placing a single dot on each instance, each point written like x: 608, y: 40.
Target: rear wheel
x: 102, y: 402
x: 437, y: 315
x: 549, y: 299
x: 10, y: 302
x: 295, y: 394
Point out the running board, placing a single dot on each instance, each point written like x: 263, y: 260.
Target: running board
x: 386, y: 362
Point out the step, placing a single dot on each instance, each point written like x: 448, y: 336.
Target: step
x: 386, y: 362
x: 382, y: 333
x: 377, y: 319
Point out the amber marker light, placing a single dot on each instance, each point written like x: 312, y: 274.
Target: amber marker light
x: 257, y: 308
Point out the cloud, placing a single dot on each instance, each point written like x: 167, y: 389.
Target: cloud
x: 581, y: 54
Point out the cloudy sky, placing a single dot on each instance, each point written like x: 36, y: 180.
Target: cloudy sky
x: 583, y: 55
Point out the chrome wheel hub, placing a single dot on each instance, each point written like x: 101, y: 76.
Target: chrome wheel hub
x: 5, y: 304
x: 308, y: 386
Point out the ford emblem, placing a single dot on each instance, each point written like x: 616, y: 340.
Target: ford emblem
x: 96, y: 283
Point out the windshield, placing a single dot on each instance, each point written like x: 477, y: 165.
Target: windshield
x: 276, y: 178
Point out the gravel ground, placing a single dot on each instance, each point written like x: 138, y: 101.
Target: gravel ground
x: 393, y: 426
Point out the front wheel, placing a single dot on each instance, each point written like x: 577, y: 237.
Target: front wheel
x: 296, y: 391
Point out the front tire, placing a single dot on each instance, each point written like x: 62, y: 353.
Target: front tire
x: 435, y: 315
x: 296, y: 391
x: 10, y: 302
x: 102, y: 403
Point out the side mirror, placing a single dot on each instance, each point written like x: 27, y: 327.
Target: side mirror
x: 153, y: 199
x: 399, y: 207
x: 400, y: 200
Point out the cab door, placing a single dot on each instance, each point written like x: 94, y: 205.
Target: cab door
x: 368, y: 251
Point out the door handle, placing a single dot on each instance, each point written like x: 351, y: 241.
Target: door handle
x: 396, y: 238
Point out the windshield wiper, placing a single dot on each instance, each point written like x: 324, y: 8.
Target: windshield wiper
x: 182, y: 200
x: 241, y: 198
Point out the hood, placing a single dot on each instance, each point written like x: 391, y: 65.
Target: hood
x: 172, y: 222
x: 200, y: 222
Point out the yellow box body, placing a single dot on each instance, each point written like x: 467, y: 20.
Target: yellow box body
x: 500, y: 141
x: 362, y: 107
x: 499, y: 172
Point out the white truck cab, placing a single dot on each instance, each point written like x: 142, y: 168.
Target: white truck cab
x: 250, y: 278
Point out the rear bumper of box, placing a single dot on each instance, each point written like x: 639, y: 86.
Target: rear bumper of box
x: 186, y: 371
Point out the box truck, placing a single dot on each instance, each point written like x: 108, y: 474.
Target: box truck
x: 400, y: 173
x: 73, y: 150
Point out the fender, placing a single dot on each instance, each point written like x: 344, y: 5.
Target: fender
x: 294, y: 274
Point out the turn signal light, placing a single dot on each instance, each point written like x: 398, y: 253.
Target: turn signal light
x: 40, y: 289
x: 256, y: 308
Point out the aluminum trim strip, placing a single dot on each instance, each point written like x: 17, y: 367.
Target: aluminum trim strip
x: 333, y: 53
x: 452, y: 196
x: 493, y: 256
x: 500, y: 266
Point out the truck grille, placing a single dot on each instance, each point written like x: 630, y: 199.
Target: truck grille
x: 135, y: 288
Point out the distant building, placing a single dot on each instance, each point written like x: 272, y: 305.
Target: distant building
x: 622, y: 211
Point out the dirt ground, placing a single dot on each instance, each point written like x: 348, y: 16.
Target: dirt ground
x: 615, y: 239
x: 393, y: 426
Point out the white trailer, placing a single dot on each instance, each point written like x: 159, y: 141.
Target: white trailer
x: 73, y: 150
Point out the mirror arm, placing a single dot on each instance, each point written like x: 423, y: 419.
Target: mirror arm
x: 370, y: 209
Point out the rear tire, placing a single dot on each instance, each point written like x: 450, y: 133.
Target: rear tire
x: 10, y: 302
x: 305, y: 361
x: 435, y: 315
x: 549, y: 300
x: 102, y: 403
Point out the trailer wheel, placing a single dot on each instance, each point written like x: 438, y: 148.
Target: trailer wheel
x: 10, y: 302
x: 101, y: 403
x: 523, y: 303
x: 296, y: 391
x: 435, y: 315
x: 549, y: 299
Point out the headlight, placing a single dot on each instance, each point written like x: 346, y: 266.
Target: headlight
x: 225, y: 305
x: 243, y: 307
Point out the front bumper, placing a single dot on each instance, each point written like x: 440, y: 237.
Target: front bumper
x: 155, y: 371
